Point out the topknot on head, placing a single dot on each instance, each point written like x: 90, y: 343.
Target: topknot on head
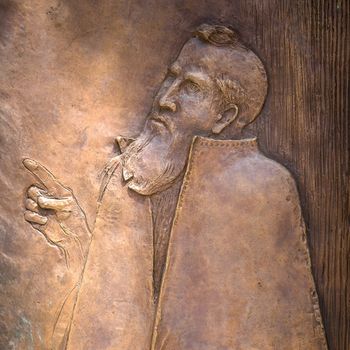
x: 217, y: 35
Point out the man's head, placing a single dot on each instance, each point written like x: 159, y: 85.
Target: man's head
x: 215, y: 84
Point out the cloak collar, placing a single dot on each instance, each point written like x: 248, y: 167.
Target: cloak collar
x: 198, y: 141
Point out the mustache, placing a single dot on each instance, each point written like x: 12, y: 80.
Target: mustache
x: 138, y: 145
x: 152, y: 129
x: 163, y: 119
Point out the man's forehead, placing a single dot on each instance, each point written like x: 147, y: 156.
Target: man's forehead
x: 189, y: 59
x: 192, y: 52
x: 196, y: 55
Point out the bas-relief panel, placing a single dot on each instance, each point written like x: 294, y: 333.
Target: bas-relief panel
x: 169, y: 185
x: 198, y: 239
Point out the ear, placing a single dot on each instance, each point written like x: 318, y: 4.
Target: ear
x: 225, y: 119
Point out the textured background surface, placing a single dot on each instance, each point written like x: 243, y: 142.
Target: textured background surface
x: 74, y: 74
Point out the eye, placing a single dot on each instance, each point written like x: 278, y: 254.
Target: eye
x: 190, y: 86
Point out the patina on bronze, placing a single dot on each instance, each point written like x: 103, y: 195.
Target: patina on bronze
x: 199, y: 241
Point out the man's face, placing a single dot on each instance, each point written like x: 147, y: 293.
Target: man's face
x: 184, y: 106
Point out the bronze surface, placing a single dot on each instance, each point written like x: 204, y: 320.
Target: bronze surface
x: 76, y: 74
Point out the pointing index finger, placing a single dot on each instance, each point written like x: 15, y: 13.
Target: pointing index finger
x: 44, y: 176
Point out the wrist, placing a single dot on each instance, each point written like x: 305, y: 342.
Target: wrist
x: 75, y: 245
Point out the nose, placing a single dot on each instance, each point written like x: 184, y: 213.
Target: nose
x: 167, y: 101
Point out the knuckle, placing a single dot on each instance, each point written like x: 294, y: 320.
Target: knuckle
x: 33, y: 188
x: 33, y: 191
x: 42, y: 201
x: 30, y: 191
x: 28, y: 215
x: 30, y: 204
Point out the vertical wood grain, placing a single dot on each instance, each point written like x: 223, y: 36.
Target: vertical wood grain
x: 305, y: 125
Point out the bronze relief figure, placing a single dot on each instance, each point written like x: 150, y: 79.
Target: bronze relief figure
x: 199, y: 240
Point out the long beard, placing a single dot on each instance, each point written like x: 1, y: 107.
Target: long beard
x: 154, y: 161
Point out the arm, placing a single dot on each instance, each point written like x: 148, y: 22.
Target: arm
x: 52, y: 209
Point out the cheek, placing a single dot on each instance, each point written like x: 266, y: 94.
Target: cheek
x: 194, y: 102
x: 198, y: 113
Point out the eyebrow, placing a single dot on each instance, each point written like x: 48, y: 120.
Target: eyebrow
x: 196, y: 77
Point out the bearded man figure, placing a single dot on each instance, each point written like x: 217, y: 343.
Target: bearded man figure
x: 199, y: 241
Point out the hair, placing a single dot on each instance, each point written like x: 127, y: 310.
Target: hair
x: 248, y: 96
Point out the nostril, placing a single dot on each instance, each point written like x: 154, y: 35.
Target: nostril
x: 167, y: 105
x: 172, y: 106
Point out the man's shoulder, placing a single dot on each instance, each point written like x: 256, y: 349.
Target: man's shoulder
x: 261, y: 172
x: 230, y: 161
x: 270, y: 168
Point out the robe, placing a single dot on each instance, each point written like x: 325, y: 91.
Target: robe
x: 237, y: 274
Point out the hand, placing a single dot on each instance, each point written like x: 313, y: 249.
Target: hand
x: 52, y: 209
